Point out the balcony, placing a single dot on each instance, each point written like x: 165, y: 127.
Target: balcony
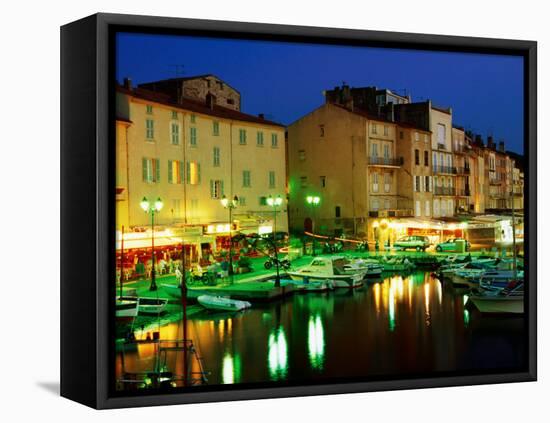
x: 385, y: 161
x: 493, y: 181
x: 460, y: 192
x: 391, y: 213
x: 441, y: 146
x: 444, y: 191
x: 449, y: 170
x: 463, y: 170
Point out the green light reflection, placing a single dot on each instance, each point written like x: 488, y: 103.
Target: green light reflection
x: 277, y: 354
x: 316, y: 342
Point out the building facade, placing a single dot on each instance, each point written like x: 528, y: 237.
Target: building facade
x: 191, y: 154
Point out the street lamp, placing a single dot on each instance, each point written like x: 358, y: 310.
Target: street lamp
x: 313, y: 201
x: 148, y: 207
x: 275, y: 202
x: 230, y: 205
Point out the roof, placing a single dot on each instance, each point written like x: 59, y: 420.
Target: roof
x: 370, y: 116
x: 186, y: 78
x: 195, y: 106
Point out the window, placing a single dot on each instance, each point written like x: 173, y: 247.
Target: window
x: 260, y: 139
x: 337, y: 211
x: 375, y: 204
x: 427, y: 208
x: 216, y: 128
x: 417, y: 209
x: 400, y: 135
x: 274, y: 141
x: 193, y: 173
x: 427, y: 183
x: 374, y: 150
x: 416, y: 136
x: 175, y: 172
x: 216, y: 156
x: 386, y: 130
x: 373, y: 128
x: 242, y: 201
x: 176, y: 207
x: 450, y: 207
x: 246, y: 178
x: 436, y: 208
x: 149, y: 129
x: 303, y: 181
x: 375, y: 182
x: 386, y: 153
x: 426, y: 138
x: 426, y: 158
x: 174, y: 114
x: 387, y: 182
x: 443, y: 208
x: 271, y: 179
x: 193, y: 119
x: 302, y: 155
x: 149, y: 109
x: 323, y: 180
x: 150, y: 170
x: 417, y: 183
x: 434, y: 160
x: 321, y: 130
x: 242, y: 136
x: 216, y: 189
x: 175, y: 133
x: 193, y: 137
x: 387, y: 204
x: 263, y: 201
x: 441, y: 133
x: 416, y: 157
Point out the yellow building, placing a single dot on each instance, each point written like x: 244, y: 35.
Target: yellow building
x: 191, y: 154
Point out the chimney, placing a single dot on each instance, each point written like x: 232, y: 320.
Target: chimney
x: 210, y: 101
x: 501, y: 146
x: 479, y: 140
x: 490, y: 142
x: 261, y: 116
x: 127, y: 83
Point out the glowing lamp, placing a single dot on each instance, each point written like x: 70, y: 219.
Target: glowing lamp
x: 158, y: 204
x: 144, y: 204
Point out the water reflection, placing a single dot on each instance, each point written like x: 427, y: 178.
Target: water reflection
x: 316, y: 342
x: 277, y: 354
x: 337, y: 334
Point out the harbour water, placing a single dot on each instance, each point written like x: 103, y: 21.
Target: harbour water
x: 396, y: 326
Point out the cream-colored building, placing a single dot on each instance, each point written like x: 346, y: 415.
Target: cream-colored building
x: 191, y: 154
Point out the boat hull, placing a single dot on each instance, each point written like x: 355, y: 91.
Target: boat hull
x: 222, y: 304
x: 498, y: 305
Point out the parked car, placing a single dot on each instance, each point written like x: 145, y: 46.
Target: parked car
x: 417, y: 242
x: 451, y: 245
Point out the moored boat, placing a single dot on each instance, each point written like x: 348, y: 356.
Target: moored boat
x: 334, y: 271
x: 151, y: 305
x: 212, y: 302
x: 508, y: 300
x: 126, y: 309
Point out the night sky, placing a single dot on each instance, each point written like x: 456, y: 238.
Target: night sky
x: 285, y: 80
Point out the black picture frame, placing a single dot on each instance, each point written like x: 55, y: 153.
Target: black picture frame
x: 87, y: 196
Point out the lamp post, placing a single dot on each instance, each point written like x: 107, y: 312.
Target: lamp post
x: 275, y: 202
x: 152, y: 208
x: 313, y: 201
x: 230, y: 205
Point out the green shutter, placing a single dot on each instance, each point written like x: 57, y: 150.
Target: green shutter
x: 198, y: 173
x: 170, y: 173
x: 157, y: 171
x: 181, y: 173
x: 144, y: 169
x: 188, y: 172
x: 223, y: 191
x: 211, y: 188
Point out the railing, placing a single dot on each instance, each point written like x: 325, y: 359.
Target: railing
x: 391, y: 213
x: 493, y: 181
x: 463, y: 170
x: 444, y: 191
x: 385, y: 161
x: 441, y: 146
x: 444, y: 169
x: 462, y: 192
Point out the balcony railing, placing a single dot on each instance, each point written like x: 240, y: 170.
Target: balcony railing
x: 444, y: 169
x: 385, y: 161
x: 391, y: 213
x: 441, y: 146
x: 444, y: 191
x: 463, y: 170
x: 462, y: 192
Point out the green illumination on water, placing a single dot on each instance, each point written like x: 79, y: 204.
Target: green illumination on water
x: 316, y: 342
x: 227, y: 372
x: 391, y: 308
x: 277, y: 354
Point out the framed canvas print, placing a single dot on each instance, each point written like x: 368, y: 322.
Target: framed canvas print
x: 257, y: 211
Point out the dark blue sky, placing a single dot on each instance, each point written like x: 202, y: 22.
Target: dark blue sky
x: 286, y: 80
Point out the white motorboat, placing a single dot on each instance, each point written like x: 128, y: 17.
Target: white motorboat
x: 151, y: 305
x: 372, y: 267
x: 126, y: 308
x: 334, y: 271
x: 211, y: 302
x: 504, y: 301
x: 396, y: 264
